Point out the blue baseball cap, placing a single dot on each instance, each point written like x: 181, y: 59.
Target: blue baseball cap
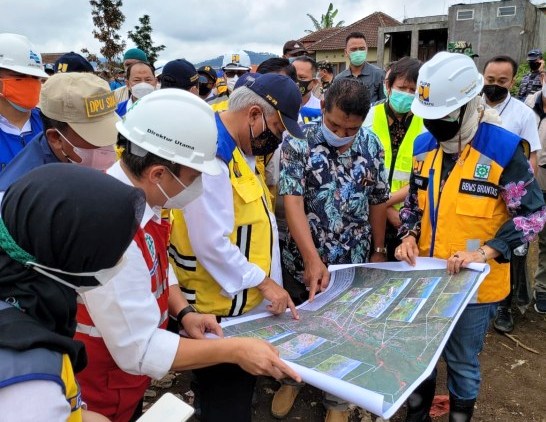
x: 283, y: 94
x: 179, y: 73
x: 72, y: 62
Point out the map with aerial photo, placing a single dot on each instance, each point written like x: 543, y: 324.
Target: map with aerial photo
x: 380, y: 328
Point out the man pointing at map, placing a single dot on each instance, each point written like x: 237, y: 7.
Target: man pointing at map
x: 472, y: 198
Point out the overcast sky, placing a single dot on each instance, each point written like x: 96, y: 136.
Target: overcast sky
x: 196, y: 29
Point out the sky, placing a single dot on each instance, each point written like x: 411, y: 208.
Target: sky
x: 197, y: 30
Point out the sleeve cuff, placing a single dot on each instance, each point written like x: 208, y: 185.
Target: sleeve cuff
x: 160, y: 354
x: 501, y: 247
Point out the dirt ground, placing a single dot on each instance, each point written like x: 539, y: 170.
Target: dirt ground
x: 513, y: 379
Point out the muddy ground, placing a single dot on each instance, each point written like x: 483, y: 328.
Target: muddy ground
x: 513, y: 387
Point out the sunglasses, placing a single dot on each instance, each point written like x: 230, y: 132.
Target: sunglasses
x: 232, y: 73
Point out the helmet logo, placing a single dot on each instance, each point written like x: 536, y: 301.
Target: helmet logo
x: 34, y: 57
x: 235, y: 58
x: 424, y: 93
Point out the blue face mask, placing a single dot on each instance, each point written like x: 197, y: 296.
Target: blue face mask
x: 335, y: 140
x: 400, y: 101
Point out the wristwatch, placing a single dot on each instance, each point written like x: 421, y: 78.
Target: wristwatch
x: 382, y: 250
x: 409, y: 233
x: 183, y: 313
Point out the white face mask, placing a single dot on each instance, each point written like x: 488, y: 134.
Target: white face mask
x: 102, y: 276
x: 185, y: 196
x: 333, y: 139
x: 98, y: 158
x: 141, y: 89
x: 231, y: 83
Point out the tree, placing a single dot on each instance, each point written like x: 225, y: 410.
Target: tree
x: 326, y: 21
x: 142, y: 37
x: 108, y: 18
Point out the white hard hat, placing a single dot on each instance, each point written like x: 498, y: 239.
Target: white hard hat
x: 445, y: 83
x: 158, y: 65
x: 176, y: 125
x: 17, y: 54
x: 239, y: 58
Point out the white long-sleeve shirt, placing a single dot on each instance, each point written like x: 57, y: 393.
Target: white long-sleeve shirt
x: 126, y: 314
x: 210, y: 220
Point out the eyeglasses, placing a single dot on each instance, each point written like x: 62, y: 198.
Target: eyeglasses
x: 232, y: 73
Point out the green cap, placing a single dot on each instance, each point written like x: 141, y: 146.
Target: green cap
x: 136, y: 54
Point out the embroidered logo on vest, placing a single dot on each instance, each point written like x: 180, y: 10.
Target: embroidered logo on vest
x: 482, y: 171
x: 150, y: 244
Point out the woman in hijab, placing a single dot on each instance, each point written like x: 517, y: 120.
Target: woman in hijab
x: 63, y: 229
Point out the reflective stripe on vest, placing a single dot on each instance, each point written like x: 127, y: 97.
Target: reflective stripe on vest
x: 252, y: 234
x: 403, y: 163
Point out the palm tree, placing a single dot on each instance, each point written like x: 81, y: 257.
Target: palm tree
x: 326, y: 21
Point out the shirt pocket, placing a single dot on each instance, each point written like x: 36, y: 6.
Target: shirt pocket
x: 248, y: 188
x: 475, y: 206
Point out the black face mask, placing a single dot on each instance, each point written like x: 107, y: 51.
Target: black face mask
x: 304, y: 86
x: 265, y: 143
x: 495, y: 93
x: 534, y: 65
x: 204, y: 90
x: 444, y: 130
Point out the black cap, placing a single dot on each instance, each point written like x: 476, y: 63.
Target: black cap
x: 534, y: 54
x: 283, y: 94
x: 293, y: 47
x: 209, y: 71
x: 179, y: 73
x: 72, y: 62
x: 325, y: 65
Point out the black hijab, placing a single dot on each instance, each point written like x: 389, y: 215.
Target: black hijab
x: 70, y: 218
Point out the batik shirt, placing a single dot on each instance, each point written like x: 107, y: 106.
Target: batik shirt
x: 338, y: 190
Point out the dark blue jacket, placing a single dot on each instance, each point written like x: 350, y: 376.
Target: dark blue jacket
x: 11, y: 145
x: 36, y: 153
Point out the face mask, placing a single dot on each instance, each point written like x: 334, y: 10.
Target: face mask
x: 98, y: 158
x: 534, y: 65
x: 141, y: 89
x: 333, y: 139
x: 23, y: 94
x: 446, y: 128
x: 102, y: 276
x: 401, y: 101
x: 185, y: 196
x: 304, y: 86
x: 231, y: 82
x: 292, y: 59
x: 385, y: 91
x: 204, y: 90
x: 265, y: 143
x: 495, y: 93
x: 357, y: 58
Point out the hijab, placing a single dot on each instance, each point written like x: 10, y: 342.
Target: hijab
x: 66, y: 217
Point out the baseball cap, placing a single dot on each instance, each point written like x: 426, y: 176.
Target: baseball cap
x: 534, y: 54
x: 283, y: 94
x: 135, y: 54
x: 293, y: 47
x: 209, y: 71
x: 85, y: 102
x: 72, y: 62
x: 179, y: 73
x: 17, y: 54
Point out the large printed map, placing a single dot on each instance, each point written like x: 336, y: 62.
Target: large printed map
x: 377, y: 329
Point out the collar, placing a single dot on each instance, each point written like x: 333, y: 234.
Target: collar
x: 7, y: 127
x: 117, y: 172
x: 499, y: 106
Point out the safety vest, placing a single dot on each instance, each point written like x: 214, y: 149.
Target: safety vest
x: 42, y: 365
x: 219, y: 103
x: 403, y: 163
x: 11, y: 145
x: 470, y: 209
x: 102, y: 375
x: 252, y: 234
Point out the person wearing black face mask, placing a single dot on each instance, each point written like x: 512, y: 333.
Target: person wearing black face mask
x: 531, y: 82
x: 207, y: 81
x: 499, y: 74
x: 306, y: 69
x: 236, y: 264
